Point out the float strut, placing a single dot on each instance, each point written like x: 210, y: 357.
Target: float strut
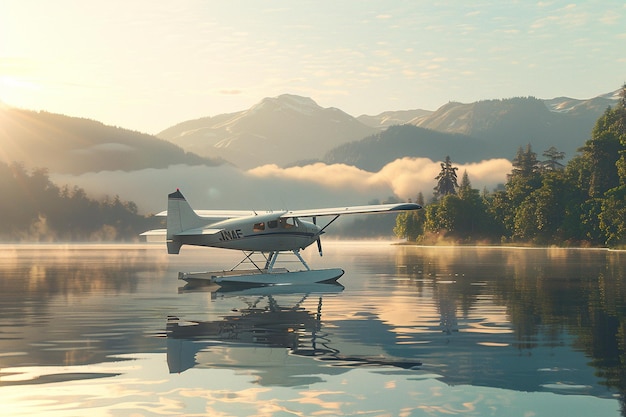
x: 269, y: 265
x: 297, y: 253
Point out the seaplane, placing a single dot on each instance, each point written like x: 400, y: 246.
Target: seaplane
x: 269, y: 234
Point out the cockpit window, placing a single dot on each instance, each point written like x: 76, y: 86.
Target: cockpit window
x: 288, y: 223
x: 272, y: 224
x: 258, y: 227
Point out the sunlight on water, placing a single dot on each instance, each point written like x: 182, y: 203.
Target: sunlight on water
x: 105, y: 330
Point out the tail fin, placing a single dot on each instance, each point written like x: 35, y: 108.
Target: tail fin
x: 180, y: 217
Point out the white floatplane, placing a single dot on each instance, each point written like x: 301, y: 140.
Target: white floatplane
x: 269, y: 234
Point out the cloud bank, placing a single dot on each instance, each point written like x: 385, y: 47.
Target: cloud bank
x: 271, y: 187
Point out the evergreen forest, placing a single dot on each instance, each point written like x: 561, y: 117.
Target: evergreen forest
x: 34, y: 209
x: 543, y: 202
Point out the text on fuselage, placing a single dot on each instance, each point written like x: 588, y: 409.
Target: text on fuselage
x: 226, y: 235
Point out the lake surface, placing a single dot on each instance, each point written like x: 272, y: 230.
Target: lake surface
x: 107, y: 330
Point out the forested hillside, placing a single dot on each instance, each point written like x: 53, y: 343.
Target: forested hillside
x: 73, y: 145
x: 374, y: 152
x: 478, y: 131
x: 35, y: 210
x: 543, y: 201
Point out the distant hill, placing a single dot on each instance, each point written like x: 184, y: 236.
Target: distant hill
x: 72, y: 145
x: 374, y: 152
x: 477, y: 131
x: 392, y: 118
x: 588, y: 110
x: 277, y: 130
x: 562, y: 122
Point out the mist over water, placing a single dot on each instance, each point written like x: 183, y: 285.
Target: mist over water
x: 272, y: 187
x: 109, y: 330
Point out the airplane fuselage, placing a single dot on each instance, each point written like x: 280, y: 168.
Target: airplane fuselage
x: 264, y: 233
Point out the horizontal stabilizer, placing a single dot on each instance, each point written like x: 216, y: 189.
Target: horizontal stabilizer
x: 155, y: 235
x: 199, y: 232
x: 154, y: 232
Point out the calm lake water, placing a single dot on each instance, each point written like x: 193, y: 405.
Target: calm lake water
x: 412, y: 331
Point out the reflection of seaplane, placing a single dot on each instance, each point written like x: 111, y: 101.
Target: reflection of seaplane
x: 270, y: 234
x: 274, y: 330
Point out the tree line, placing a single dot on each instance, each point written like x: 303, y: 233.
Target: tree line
x: 32, y: 208
x: 543, y: 202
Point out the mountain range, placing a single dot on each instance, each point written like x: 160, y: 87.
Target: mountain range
x: 291, y: 130
x: 277, y: 130
x: 477, y: 131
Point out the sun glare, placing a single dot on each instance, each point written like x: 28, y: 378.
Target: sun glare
x: 14, y: 82
x: 14, y: 91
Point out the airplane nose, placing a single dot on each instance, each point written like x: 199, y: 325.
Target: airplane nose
x: 314, y: 228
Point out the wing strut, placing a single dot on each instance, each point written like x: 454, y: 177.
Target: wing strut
x: 328, y: 224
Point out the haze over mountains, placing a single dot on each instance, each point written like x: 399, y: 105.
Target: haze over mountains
x: 288, y: 152
x: 71, y: 145
x: 478, y: 131
x: 288, y: 129
x: 277, y: 130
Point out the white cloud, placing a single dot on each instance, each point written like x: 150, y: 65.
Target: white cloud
x: 610, y: 17
x: 270, y: 187
x: 332, y: 176
x: 408, y: 176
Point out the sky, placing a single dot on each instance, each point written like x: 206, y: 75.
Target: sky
x: 147, y: 65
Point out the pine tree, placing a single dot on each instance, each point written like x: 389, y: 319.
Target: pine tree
x: 446, y: 180
x: 525, y: 163
x: 552, y: 163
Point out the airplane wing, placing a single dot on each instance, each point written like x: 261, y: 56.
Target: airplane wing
x: 338, y: 211
x: 335, y: 211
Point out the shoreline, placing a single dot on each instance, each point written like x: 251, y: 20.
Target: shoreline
x: 159, y: 245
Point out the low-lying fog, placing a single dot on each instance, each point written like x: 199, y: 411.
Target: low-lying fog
x: 271, y: 187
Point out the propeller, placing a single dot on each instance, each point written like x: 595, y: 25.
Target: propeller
x: 319, y: 246
x: 319, y: 240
